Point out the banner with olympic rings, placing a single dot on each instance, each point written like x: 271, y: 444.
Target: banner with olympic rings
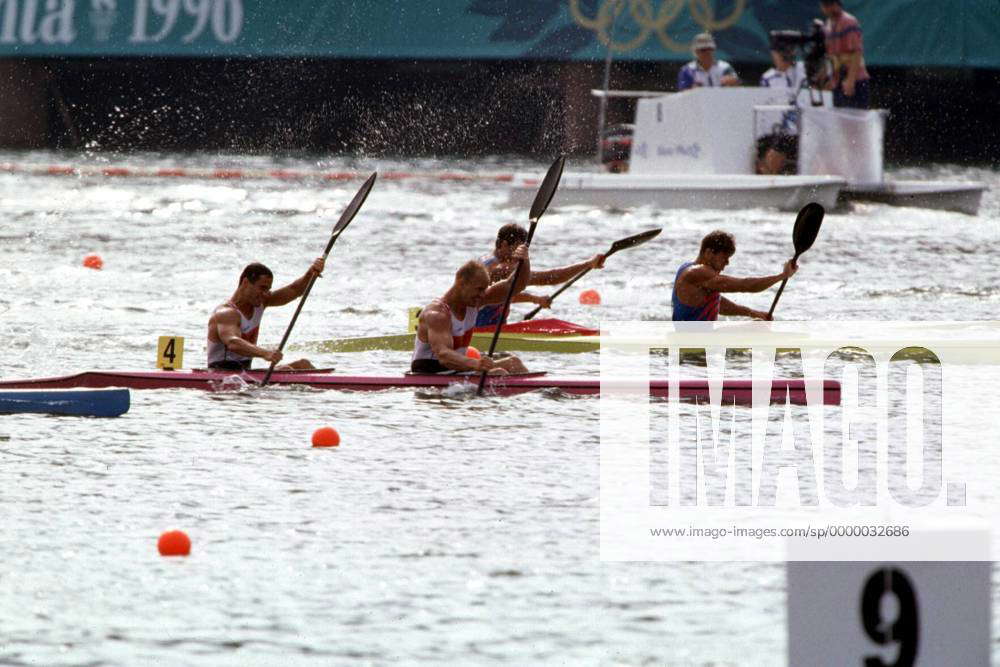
x: 958, y: 33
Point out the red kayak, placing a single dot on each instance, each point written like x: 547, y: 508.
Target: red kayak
x: 739, y: 391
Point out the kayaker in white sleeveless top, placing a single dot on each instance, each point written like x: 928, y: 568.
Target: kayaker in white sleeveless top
x: 445, y: 326
x: 234, y: 326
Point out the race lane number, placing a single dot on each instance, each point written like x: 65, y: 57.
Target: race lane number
x: 882, y: 614
x: 170, y: 353
x: 413, y: 319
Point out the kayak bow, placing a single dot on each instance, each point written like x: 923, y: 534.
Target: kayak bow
x: 79, y: 402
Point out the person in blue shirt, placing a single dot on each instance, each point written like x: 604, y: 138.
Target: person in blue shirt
x: 501, y: 264
x: 705, y: 70
x: 698, y: 287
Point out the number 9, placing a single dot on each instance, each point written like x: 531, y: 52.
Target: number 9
x: 905, y: 629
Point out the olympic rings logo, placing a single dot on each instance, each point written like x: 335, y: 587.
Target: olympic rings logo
x: 652, y: 20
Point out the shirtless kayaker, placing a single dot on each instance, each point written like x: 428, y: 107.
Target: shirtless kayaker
x: 234, y: 325
x: 446, y: 324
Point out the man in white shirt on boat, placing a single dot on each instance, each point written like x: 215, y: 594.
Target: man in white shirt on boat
x: 777, y: 150
x: 445, y: 327
x: 234, y: 326
x: 705, y: 70
x: 502, y: 263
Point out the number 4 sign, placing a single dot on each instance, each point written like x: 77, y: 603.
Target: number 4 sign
x: 882, y: 614
x: 170, y: 353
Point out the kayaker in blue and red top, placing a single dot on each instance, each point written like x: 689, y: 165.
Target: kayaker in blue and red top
x: 445, y: 327
x: 501, y: 263
x: 698, y: 287
x: 234, y: 326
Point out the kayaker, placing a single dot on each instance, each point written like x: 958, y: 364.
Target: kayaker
x: 501, y: 264
x: 445, y: 326
x: 234, y: 325
x: 698, y: 287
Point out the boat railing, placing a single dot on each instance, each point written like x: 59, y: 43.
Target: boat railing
x: 596, y: 92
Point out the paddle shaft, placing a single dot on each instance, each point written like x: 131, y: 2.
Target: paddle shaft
x: 804, y: 233
x: 621, y: 244
x: 506, y: 305
x: 298, y: 309
x: 345, y: 219
x: 542, y: 199
x: 781, y: 289
x: 559, y: 291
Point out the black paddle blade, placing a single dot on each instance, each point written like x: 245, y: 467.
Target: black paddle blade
x: 632, y: 241
x: 807, y: 224
x: 547, y: 189
x: 352, y: 208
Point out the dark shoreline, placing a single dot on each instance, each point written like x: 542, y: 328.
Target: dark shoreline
x: 441, y: 108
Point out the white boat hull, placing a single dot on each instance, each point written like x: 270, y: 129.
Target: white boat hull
x: 963, y: 197
x: 724, y: 191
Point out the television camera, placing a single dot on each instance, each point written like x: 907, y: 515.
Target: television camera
x: 813, y: 45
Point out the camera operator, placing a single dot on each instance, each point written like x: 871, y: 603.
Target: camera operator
x: 777, y: 151
x: 845, y: 47
x: 788, y: 71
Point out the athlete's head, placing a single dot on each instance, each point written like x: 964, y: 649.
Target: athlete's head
x: 255, y: 281
x: 716, y: 249
x: 472, y: 279
x: 509, y: 237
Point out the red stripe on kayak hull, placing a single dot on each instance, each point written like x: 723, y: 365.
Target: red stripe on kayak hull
x: 740, y: 391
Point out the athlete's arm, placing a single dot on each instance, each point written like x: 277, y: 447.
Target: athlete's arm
x: 292, y: 291
x: 727, y: 307
x: 438, y: 324
x: 497, y: 292
x: 561, y: 275
x: 227, y: 328
x: 717, y: 282
x: 537, y: 299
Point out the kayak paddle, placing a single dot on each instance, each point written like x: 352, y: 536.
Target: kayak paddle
x: 807, y: 224
x: 345, y: 219
x: 542, y: 199
x: 620, y: 244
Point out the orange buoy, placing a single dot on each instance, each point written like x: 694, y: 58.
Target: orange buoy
x: 93, y: 262
x: 174, y: 543
x: 590, y: 297
x: 326, y: 436
x: 472, y: 353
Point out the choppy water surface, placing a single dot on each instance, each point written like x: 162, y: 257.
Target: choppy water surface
x: 441, y: 530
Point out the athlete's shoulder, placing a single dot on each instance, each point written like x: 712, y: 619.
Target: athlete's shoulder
x: 224, y: 309
x: 434, y: 312
x: 699, y: 272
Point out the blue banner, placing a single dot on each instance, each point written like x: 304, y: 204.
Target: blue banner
x: 957, y: 33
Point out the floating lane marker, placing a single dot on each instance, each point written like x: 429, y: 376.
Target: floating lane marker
x: 230, y: 174
x: 325, y: 436
x: 174, y: 543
